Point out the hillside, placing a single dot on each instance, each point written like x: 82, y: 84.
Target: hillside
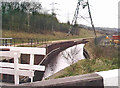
x: 83, y: 33
x: 20, y: 22
x: 103, y: 30
x: 29, y: 17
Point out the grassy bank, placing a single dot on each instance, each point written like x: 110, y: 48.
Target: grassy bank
x: 89, y: 66
x: 102, y: 58
x: 84, y: 33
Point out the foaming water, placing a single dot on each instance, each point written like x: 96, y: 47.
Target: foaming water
x: 64, y: 59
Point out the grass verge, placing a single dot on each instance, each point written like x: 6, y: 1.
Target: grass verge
x: 89, y: 66
x: 50, y: 36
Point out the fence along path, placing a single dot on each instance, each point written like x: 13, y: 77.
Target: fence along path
x: 17, y: 69
x: 21, y: 41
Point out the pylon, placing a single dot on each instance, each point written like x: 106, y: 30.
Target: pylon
x: 84, y: 4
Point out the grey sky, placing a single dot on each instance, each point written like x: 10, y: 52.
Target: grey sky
x: 104, y: 12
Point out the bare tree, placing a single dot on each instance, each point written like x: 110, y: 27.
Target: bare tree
x: 70, y: 56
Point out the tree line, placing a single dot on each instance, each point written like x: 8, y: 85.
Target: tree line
x: 28, y: 17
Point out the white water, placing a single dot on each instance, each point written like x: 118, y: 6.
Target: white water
x: 64, y: 59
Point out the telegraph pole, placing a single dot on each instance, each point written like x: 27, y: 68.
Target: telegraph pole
x: 53, y: 12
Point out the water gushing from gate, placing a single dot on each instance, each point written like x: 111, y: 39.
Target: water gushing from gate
x: 64, y: 59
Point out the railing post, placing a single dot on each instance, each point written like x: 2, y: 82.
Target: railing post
x: 31, y: 42
x: 6, y: 42
x: 37, y: 41
x: 22, y: 41
x: 0, y: 42
x: 28, y: 41
x: 42, y: 41
x: 10, y: 42
x: 3, y: 42
x: 16, y: 76
x: 31, y: 63
x: 14, y: 42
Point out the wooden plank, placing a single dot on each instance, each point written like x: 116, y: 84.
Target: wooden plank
x: 37, y: 67
x: 26, y: 73
x: 5, y: 64
x: 28, y: 50
x: 19, y: 72
x: 6, y: 53
x: 17, y: 68
x: 16, y: 76
x: 39, y: 51
x: 31, y: 59
x: 23, y: 66
x: 9, y: 53
x: 7, y: 71
x: 31, y: 63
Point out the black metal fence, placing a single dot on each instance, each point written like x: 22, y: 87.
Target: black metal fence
x: 21, y: 42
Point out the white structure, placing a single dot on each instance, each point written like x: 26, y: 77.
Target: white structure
x: 111, y: 77
x: 17, y: 69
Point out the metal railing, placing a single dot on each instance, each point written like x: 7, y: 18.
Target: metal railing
x: 21, y: 42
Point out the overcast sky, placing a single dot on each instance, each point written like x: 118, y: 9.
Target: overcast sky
x: 104, y: 12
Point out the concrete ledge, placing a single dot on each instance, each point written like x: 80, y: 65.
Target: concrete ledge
x: 103, y: 79
x: 94, y: 80
x: 111, y: 77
